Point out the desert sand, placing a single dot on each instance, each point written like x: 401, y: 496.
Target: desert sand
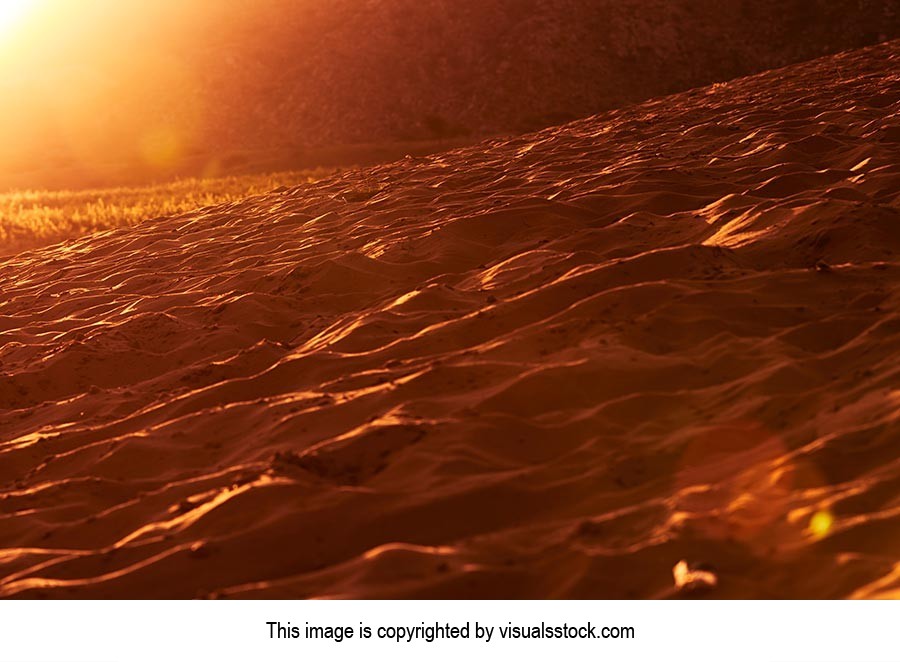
x: 551, y: 366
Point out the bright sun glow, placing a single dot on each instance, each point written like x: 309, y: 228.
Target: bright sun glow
x: 11, y: 12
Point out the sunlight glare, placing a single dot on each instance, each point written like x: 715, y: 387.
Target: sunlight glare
x: 12, y: 11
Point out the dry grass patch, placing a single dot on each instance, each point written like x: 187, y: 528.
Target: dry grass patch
x: 31, y: 219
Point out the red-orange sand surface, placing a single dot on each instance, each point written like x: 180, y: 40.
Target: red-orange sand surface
x: 550, y: 366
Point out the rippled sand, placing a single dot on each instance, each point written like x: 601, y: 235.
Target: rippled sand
x: 549, y: 366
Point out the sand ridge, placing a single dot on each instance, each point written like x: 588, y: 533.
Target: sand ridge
x: 547, y: 366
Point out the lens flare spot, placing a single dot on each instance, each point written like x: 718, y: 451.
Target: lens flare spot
x: 160, y: 148
x: 821, y: 524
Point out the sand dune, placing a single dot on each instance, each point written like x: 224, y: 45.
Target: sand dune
x: 550, y: 366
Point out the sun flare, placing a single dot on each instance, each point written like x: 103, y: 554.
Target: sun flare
x: 11, y: 12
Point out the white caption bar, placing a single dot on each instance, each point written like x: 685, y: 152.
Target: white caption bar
x: 696, y: 631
